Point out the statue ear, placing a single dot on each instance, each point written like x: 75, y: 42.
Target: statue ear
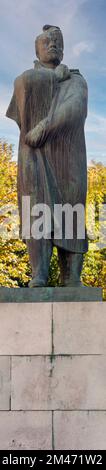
x: 36, y: 48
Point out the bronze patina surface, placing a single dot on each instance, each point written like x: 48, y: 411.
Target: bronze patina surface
x: 49, y: 104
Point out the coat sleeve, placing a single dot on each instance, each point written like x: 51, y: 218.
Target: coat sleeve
x: 71, y: 110
x: 13, y: 110
x: 73, y: 103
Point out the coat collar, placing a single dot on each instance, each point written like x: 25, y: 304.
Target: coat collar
x: 62, y: 72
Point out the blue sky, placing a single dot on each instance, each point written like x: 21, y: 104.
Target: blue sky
x: 83, y: 23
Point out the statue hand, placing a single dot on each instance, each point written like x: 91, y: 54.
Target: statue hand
x: 36, y: 136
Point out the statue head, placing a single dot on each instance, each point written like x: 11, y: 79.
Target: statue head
x: 49, y: 46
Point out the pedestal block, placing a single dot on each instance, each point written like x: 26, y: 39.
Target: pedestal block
x: 51, y: 294
x: 52, y: 375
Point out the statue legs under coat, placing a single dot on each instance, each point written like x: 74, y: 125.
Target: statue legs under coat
x: 70, y: 267
x: 40, y: 252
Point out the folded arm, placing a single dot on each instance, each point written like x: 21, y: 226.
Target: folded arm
x: 47, y: 128
x: 64, y: 118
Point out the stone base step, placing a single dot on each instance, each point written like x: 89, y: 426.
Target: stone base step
x: 51, y: 294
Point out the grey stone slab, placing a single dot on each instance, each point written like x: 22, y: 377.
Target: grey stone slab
x: 25, y: 328
x: 26, y: 430
x: 31, y: 383
x: 5, y: 385
x: 62, y: 382
x: 80, y: 430
x: 50, y: 294
x: 79, y: 382
x: 79, y: 328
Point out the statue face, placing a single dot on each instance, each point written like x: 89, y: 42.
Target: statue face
x: 50, y: 47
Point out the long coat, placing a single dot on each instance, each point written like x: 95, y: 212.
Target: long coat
x: 57, y: 172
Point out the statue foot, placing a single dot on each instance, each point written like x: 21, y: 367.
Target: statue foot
x: 71, y: 283
x: 37, y: 283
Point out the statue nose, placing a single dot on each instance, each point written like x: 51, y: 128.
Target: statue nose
x: 52, y: 44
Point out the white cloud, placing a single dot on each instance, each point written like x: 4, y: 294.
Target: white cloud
x: 82, y: 46
x: 96, y: 123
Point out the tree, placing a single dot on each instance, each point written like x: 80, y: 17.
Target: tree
x: 15, y: 269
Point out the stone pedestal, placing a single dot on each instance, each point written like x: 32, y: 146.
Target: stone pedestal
x: 51, y: 294
x: 52, y: 375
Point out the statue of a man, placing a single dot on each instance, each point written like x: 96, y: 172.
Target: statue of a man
x: 49, y: 105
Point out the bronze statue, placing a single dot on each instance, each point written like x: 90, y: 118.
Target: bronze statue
x: 49, y: 105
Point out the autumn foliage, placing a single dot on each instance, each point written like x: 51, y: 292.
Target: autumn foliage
x: 15, y: 270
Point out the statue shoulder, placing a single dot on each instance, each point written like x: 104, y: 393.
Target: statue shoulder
x: 25, y: 77
x: 76, y: 72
